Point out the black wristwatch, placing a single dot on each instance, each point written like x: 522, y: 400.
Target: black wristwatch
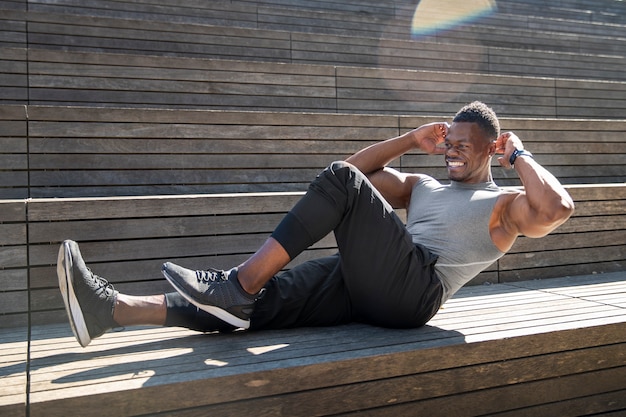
x: 517, y: 153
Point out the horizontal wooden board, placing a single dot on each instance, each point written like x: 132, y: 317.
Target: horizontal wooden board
x: 146, y: 33
x: 78, y: 152
x: 74, y: 152
x: 13, y: 371
x: 126, y: 238
x: 519, y: 337
x: 75, y: 78
x: 13, y: 153
x: 192, y: 205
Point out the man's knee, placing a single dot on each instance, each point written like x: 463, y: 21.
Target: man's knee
x: 339, y: 175
x: 345, y: 171
x: 338, y: 165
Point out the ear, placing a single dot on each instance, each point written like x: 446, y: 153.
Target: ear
x: 492, y: 148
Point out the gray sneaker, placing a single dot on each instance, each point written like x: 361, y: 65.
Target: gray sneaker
x: 215, y: 291
x: 89, y: 299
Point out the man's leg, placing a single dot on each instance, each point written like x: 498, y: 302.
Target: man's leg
x: 391, y: 281
x: 381, y: 258
x: 310, y: 294
x: 169, y: 310
x: 94, y: 306
x: 130, y: 310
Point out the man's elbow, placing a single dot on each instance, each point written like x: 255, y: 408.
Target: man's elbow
x: 565, y: 208
x: 558, y: 213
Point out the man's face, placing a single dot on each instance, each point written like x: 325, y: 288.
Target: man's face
x: 468, y: 153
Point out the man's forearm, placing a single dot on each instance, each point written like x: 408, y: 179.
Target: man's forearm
x: 378, y: 155
x: 375, y: 157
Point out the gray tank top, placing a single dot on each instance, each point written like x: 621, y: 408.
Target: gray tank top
x: 452, y: 221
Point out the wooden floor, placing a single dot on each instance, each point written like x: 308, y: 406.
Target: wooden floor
x: 528, y: 348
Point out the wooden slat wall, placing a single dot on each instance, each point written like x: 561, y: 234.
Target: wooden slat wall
x: 598, y: 12
x: 76, y: 152
x: 125, y: 239
x: 13, y: 152
x: 216, y: 12
x: 131, y: 241
x: 387, y: 18
x: 68, y: 79
x: 107, y: 34
x: 12, y: 29
x: 13, y: 32
x: 62, y: 78
x: 608, y: 11
x: 525, y: 32
x: 13, y: 76
x: 370, y: 90
x: 14, y: 297
x: 100, y: 152
x: 123, y: 35
x: 108, y: 151
x: 542, y: 34
x: 108, y: 31
x: 13, y: 239
x: 78, y: 78
x: 473, y: 58
x: 529, y: 32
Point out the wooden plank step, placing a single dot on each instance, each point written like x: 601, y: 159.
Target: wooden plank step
x: 13, y: 152
x: 14, y: 298
x: 78, y: 78
x: 125, y: 239
x: 77, y: 152
x: 13, y: 371
x: 43, y: 22
x: 520, y: 337
x: 102, y: 34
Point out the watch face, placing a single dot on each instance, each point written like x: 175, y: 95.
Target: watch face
x: 517, y: 153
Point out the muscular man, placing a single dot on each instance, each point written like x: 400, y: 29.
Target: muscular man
x: 386, y: 273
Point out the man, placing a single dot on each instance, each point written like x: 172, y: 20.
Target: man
x: 386, y: 273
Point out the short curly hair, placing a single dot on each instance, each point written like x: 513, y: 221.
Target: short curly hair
x: 479, y: 113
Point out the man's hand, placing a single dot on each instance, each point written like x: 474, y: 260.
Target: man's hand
x: 377, y: 156
x: 506, y: 144
x: 427, y: 137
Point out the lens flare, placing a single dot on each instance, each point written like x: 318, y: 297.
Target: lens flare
x: 432, y: 16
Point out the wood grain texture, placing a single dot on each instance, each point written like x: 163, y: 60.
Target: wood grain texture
x: 125, y: 239
x: 543, y: 344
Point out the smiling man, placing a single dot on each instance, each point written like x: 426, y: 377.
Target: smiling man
x: 387, y: 273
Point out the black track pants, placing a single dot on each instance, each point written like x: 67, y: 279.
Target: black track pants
x: 378, y: 277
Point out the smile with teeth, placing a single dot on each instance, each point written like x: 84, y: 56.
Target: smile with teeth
x: 455, y: 164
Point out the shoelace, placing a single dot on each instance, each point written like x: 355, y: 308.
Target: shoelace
x: 104, y: 291
x: 211, y: 275
x: 103, y: 284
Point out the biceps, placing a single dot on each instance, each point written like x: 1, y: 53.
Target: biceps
x: 528, y: 221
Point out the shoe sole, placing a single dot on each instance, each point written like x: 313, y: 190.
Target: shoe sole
x: 65, y: 274
x: 212, y: 310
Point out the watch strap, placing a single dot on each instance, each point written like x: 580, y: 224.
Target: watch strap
x: 516, y: 153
